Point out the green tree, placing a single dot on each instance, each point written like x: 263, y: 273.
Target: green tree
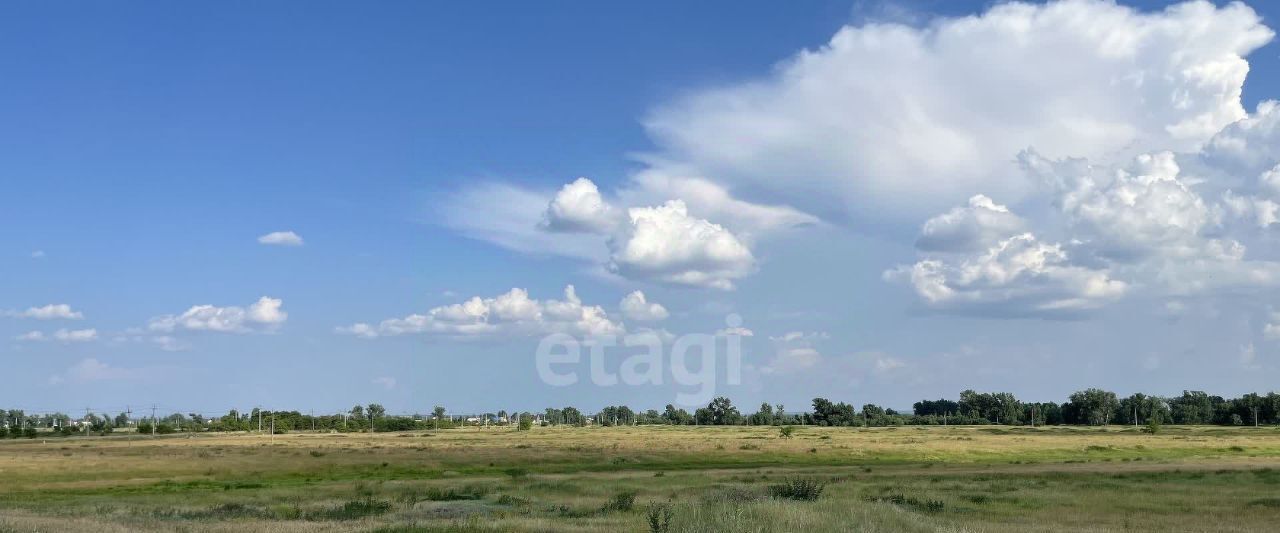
x: 723, y: 413
x: 1094, y: 406
x: 437, y: 415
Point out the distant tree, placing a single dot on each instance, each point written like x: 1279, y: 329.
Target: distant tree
x: 677, y: 417
x: 438, y: 415
x: 764, y: 416
x: 526, y: 422
x: 1094, y: 407
x: 573, y: 416
x: 935, y: 407
x: 723, y: 413
x: 826, y: 413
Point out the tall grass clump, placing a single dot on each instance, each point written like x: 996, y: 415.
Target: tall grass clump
x: 799, y: 489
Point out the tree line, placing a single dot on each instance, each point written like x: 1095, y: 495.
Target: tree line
x: 1093, y: 407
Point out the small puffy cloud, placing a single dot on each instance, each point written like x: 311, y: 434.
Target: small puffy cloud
x: 268, y: 311
x: 635, y: 307
x: 264, y: 314
x: 385, y: 382
x: 666, y: 244
x: 738, y: 330
x: 977, y: 226
x: 515, y: 218
x: 579, y: 208
x: 49, y: 312
x: 511, y: 313
x: 281, y: 238
x: 37, y: 254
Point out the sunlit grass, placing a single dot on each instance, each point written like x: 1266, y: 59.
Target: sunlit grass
x: 712, y: 479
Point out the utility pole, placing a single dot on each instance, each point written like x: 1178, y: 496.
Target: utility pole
x: 153, y: 420
x: 259, y: 420
x: 273, y: 426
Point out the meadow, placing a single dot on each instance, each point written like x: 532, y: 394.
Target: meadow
x: 651, y: 478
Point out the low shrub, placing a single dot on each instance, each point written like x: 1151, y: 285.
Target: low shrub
x: 797, y: 489
x: 622, y: 502
x: 659, y: 517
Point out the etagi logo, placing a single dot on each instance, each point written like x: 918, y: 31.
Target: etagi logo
x: 559, y: 360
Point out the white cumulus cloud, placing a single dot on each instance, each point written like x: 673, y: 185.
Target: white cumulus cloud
x: 263, y: 315
x: 891, y: 120
x: 636, y: 307
x: 977, y: 226
x: 281, y: 238
x: 49, y: 312
x: 511, y: 313
x: 666, y: 244
x: 578, y: 207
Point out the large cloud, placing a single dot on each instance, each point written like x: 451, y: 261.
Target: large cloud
x: 888, y: 120
x: 511, y: 313
x: 1149, y: 223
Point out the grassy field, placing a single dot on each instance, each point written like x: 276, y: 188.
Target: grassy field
x: 618, y: 479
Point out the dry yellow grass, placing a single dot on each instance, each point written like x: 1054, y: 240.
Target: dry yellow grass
x: 558, y: 479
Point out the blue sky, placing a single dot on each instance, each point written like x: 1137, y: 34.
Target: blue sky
x: 419, y: 150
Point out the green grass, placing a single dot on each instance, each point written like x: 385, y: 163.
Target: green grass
x: 615, y: 479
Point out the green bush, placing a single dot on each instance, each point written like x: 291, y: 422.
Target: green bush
x: 786, y: 431
x: 622, y: 502
x: 30, y: 433
x: 798, y: 489
x: 659, y: 517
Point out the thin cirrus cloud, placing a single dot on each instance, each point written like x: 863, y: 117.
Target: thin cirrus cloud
x: 281, y: 238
